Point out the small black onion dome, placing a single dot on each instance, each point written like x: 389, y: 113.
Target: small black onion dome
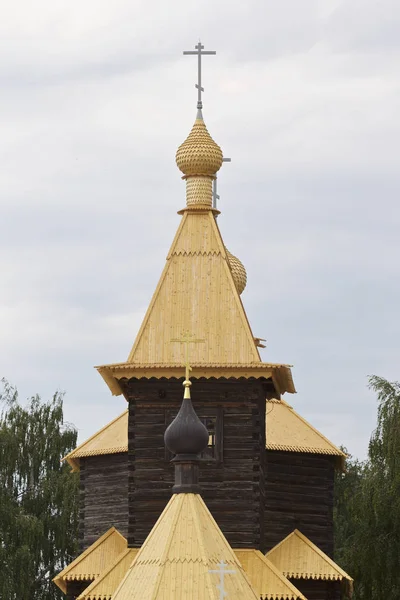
x: 186, y: 434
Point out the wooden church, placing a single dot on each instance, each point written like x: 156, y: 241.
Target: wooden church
x: 266, y: 476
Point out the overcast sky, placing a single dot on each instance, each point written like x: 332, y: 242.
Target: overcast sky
x: 303, y: 95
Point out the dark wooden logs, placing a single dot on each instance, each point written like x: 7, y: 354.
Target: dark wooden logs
x: 75, y: 588
x: 299, y: 495
x: 256, y: 496
x: 103, y: 496
x: 318, y: 589
x: 232, y: 484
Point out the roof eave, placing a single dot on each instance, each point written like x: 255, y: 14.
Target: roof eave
x: 280, y: 374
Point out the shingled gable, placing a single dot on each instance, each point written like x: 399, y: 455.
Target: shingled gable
x: 104, y: 586
x: 266, y: 580
x: 94, y: 560
x: 298, y: 558
x: 110, y: 439
x: 288, y: 431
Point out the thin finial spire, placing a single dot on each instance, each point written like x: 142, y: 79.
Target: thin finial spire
x: 214, y: 191
x: 199, y: 51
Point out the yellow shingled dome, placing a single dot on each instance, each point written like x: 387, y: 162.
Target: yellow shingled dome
x: 199, y: 154
x: 238, y: 272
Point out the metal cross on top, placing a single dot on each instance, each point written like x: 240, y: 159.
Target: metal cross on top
x: 187, y: 338
x: 199, y: 52
x: 222, y: 571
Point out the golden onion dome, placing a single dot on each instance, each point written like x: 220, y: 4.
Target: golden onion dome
x: 238, y: 272
x: 199, y: 154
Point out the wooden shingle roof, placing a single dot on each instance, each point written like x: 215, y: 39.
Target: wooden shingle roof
x: 196, y: 293
x: 104, y: 586
x: 287, y: 430
x: 111, y: 439
x: 178, y: 556
x: 94, y: 560
x: 265, y: 578
x: 298, y: 558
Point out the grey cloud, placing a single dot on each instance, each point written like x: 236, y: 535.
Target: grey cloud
x: 89, y: 191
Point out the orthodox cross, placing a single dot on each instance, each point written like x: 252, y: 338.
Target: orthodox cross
x: 222, y: 571
x: 199, y: 52
x: 187, y: 338
x: 214, y: 191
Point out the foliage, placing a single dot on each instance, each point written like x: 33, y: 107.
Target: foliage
x: 38, y: 496
x: 367, y: 505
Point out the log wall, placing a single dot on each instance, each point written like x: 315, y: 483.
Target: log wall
x: 103, y: 496
x: 75, y: 588
x: 317, y: 589
x: 233, y: 487
x: 299, y: 496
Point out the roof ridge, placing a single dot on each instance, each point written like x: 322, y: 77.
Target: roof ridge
x: 304, y: 539
x: 80, y: 446
x: 87, y: 592
x: 265, y: 573
x: 321, y: 435
x: 279, y: 574
x: 236, y: 294
x: 321, y: 553
x: 64, y: 573
x: 287, y: 430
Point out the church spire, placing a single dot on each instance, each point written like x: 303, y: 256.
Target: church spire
x: 199, y: 157
x: 199, y: 288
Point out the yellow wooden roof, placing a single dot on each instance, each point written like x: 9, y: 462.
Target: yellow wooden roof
x: 196, y: 293
x: 287, y: 430
x: 266, y: 580
x: 104, y: 586
x: 176, y: 558
x: 264, y: 577
x: 94, y: 560
x: 298, y: 558
x: 111, y: 439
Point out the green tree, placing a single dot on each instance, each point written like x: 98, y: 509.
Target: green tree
x: 38, y: 496
x: 367, y: 505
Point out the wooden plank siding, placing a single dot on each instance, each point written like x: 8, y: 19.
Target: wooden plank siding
x: 103, y: 496
x: 299, y: 496
x: 234, y: 488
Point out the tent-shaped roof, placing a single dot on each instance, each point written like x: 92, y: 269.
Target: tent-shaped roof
x: 266, y: 580
x: 111, y: 439
x: 179, y: 556
x: 298, y: 558
x: 94, y: 560
x: 104, y: 586
x: 287, y: 430
x: 196, y: 293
